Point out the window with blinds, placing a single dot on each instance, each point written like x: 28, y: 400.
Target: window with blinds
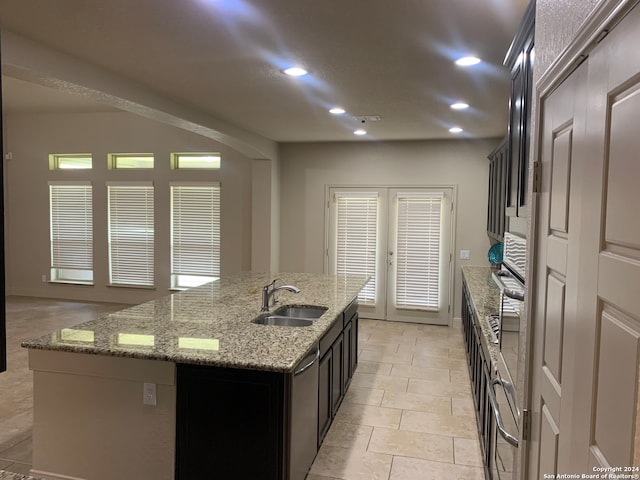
x: 357, y: 238
x: 131, y: 233
x: 418, y: 250
x: 195, y: 234
x: 71, y: 232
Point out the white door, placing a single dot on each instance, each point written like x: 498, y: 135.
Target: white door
x: 402, y: 238
x: 587, y: 356
x: 556, y: 274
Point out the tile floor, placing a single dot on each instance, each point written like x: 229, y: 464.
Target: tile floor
x: 408, y: 413
x: 30, y: 318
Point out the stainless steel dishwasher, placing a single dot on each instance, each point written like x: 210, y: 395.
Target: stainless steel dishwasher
x: 304, y: 415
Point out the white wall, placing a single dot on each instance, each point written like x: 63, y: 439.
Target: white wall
x: 32, y: 137
x: 307, y: 168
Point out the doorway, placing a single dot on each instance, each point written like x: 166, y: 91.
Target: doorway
x: 400, y: 236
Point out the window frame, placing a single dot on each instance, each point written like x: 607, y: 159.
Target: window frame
x: 136, y: 268
x: 191, y: 231
x: 65, y: 261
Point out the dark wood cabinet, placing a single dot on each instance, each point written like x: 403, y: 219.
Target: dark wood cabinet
x: 519, y: 60
x: 347, y: 366
x: 496, y: 203
x: 354, y: 343
x: 229, y: 423
x: 480, y: 372
x: 339, y: 359
x: 325, y: 395
x: 235, y: 423
x: 337, y: 386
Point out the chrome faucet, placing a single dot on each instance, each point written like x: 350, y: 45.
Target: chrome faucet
x: 269, y: 290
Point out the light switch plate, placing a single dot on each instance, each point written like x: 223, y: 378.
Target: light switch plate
x: 465, y: 255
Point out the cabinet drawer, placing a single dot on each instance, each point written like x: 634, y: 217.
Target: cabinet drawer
x: 327, y: 341
x: 350, y: 311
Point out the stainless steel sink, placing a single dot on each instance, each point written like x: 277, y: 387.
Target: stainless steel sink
x: 311, y: 311
x: 283, y: 321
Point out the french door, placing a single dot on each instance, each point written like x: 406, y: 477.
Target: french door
x: 402, y: 238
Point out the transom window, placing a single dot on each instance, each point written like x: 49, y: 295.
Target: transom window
x: 130, y: 160
x: 70, y: 161
x: 203, y: 161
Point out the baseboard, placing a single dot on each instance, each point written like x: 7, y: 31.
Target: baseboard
x: 52, y: 476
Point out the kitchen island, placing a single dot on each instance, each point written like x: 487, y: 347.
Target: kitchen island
x: 118, y: 397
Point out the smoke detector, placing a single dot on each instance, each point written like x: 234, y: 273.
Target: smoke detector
x: 367, y: 118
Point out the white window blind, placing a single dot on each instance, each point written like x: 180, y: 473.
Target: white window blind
x: 357, y: 238
x: 71, y: 231
x: 195, y: 233
x: 418, y: 250
x: 131, y: 233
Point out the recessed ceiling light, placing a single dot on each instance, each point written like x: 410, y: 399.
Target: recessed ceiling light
x: 295, y: 71
x: 455, y: 130
x: 467, y: 61
x: 360, y: 131
x: 337, y: 111
x: 459, y: 106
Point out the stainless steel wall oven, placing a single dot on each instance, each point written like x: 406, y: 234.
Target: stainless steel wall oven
x: 502, y: 388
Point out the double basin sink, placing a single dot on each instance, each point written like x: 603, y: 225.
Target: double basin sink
x: 291, y: 316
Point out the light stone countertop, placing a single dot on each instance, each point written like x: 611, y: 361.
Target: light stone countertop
x: 485, y: 298
x: 212, y: 324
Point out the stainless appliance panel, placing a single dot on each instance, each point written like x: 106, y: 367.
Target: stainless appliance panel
x: 510, y: 321
x: 505, y: 432
x: 304, y: 416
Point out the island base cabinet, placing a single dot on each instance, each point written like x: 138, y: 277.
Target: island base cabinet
x: 230, y: 423
x: 90, y: 421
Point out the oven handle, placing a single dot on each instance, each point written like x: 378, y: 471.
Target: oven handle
x: 496, y: 411
x: 506, y: 290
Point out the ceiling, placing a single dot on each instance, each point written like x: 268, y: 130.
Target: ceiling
x: 224, y: 59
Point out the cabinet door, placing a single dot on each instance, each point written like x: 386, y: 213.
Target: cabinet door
x: 337, y: 390
x: 520, y: 126
x: 496, y: 202
x: 325, y: 410
x: 347, y: 369
x: 516, y: 140
x: 225, y: 416
x: 354, y: 344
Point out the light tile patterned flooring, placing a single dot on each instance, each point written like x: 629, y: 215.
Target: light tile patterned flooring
x: 408, y: 413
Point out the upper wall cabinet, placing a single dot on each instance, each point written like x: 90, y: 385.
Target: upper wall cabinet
x: 498, y: 159
x: 519, y: 60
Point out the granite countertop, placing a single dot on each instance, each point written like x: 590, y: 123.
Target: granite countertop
x: 212, y: 324
x: 485, y: 299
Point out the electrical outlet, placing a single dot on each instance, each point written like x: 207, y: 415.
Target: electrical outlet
x: 44, y: 279
x: 465, y: 255
x: 149, y: 394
